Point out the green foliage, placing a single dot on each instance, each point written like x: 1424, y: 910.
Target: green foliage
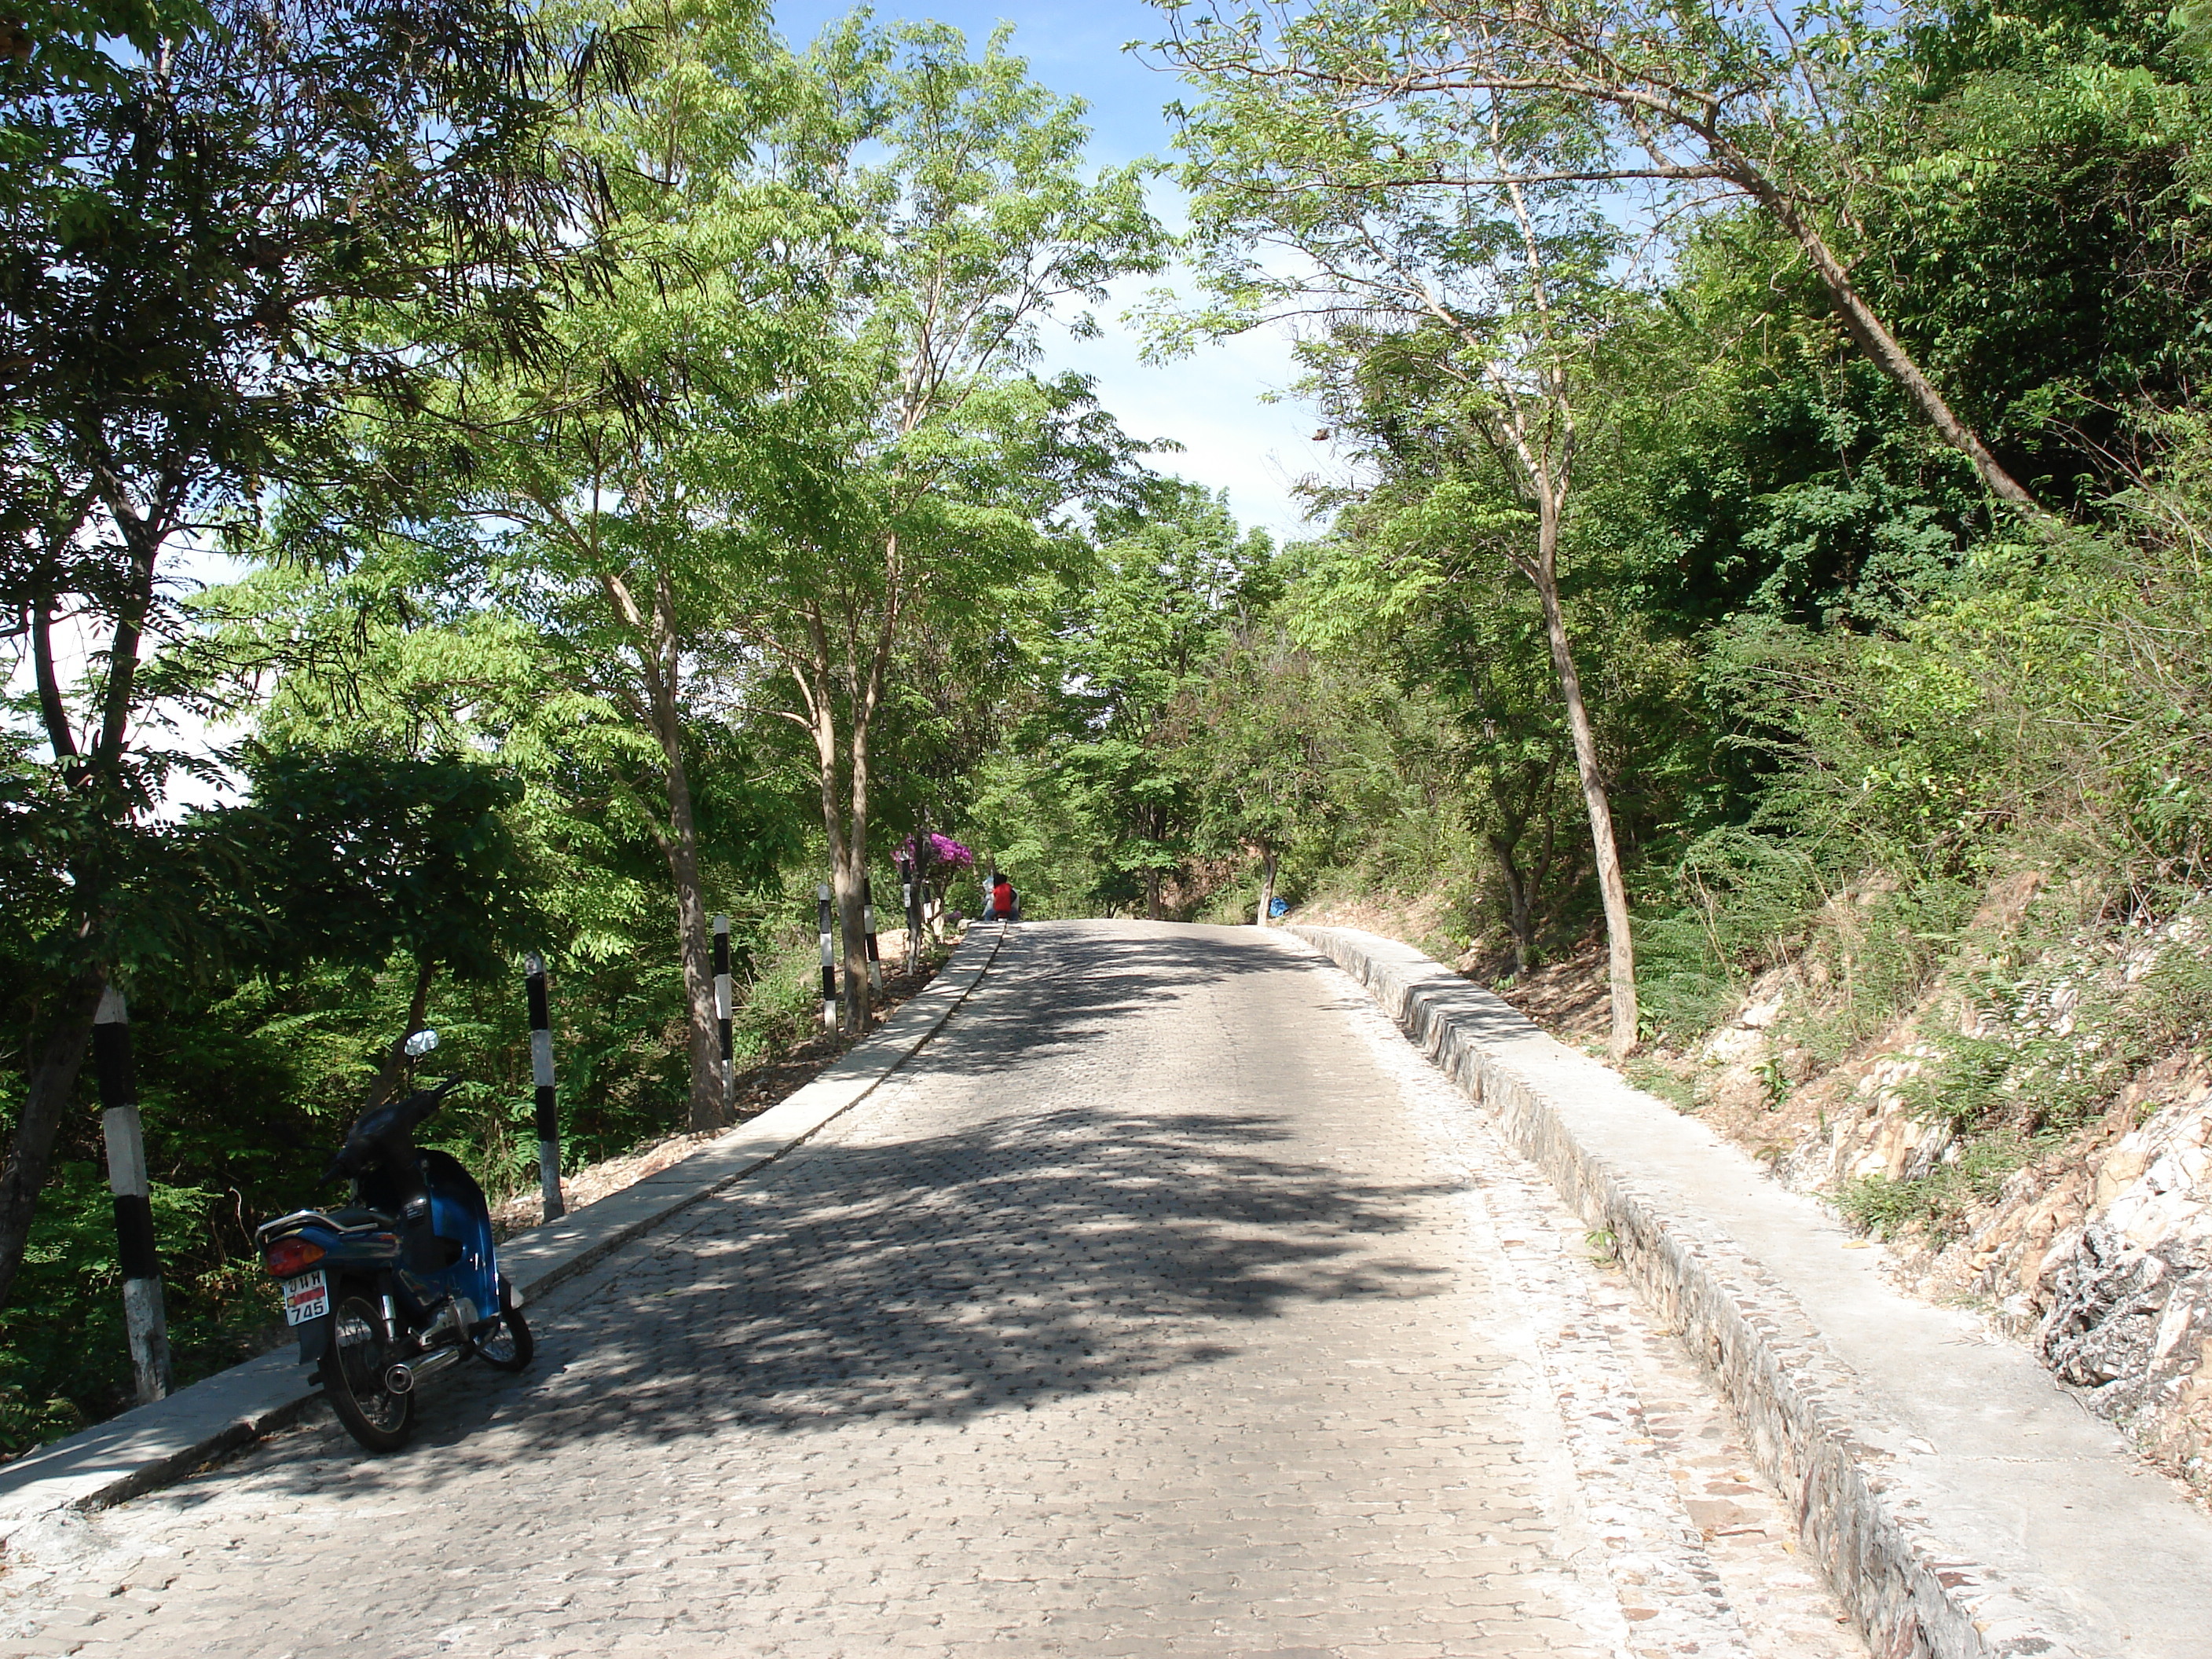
x: 657, y: 495
x: 369, y: 853
x: 2040, y: 1057
x: 1933, y: 1207
x: 1105, y: 794
x: 64, y: 1358
x: 1739, y: 902
x: 2028, y: 1061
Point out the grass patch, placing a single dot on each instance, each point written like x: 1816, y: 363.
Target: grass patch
x: 1934, y: 1207
x: 1654, y: 1079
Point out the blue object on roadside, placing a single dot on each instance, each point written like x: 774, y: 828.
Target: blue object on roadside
x: 402, y: 1282
x: 1279, y: 907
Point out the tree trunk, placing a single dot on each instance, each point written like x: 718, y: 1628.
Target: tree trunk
x: 921, y: 884
x: 917, y: 903
x: 1267, y: 889
x: 52, y: 1079
x: 655, y: 640
x: 1520, y: 902
x: 701, y: 1033
x: 52, y: 1084
x: 822, y: 724
x: 845, y: 883
x: 1881, y: 349
x: 1151, y: 895
x: 1621, y: 950
x: 1523, y: 888
x: 395, y: 1057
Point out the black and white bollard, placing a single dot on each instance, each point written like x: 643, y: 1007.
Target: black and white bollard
x: 541, y: 1074
x: 722, y: 1005
x: 868, y: 932
x: 144, y: 1314
x: 829, y: 961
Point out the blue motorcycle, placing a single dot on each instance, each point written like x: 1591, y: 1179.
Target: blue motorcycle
x: 400, y: 1284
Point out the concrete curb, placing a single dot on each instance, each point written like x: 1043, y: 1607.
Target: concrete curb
x: 151, y: 1446
x: 1960, y: 1504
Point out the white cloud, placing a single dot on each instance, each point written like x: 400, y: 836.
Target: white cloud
x: 1214, y: 403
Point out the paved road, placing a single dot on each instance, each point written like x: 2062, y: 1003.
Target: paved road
x: 1168, y: 1304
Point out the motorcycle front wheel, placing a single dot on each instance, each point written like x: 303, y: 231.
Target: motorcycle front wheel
x: 353, y: 1377
x: 510, y: 1346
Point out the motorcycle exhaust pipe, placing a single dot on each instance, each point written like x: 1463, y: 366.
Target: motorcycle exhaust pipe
x: 401, y: 1378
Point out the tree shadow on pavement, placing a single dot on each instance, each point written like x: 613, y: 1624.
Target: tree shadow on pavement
x: 1077, y: 1247
x: 1057, y: 986
x: 1069, y: 1251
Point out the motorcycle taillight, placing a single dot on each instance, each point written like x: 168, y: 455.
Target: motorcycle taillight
x: 288, y: 1258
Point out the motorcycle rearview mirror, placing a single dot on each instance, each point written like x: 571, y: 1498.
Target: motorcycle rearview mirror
x: 421, y: 1042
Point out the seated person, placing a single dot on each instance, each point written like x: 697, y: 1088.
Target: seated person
x: 1000, y: 901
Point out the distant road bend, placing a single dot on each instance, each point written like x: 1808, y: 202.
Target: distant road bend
x: 1167, y: 1303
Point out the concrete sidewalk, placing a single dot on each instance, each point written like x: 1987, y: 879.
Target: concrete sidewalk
x: 152, y: 1445
x: 1960, y: 1502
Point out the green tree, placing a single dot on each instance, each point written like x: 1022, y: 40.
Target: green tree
x: 1260, y: 729
x: 1139, y: 628
x: 197, y: 237
x: 357, y: 857
x: 1462, y: 285
x: 1718, y: 97
x: 971, y: 221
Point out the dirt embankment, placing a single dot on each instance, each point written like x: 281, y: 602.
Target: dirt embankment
x: 2027, y: 1152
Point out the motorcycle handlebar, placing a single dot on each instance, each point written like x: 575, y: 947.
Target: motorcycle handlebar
x: 429, y: 1099
x: 409, y: 1113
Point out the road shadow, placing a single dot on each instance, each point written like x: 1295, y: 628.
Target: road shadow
x: 1057, y: 987
x: 1073, y: 1247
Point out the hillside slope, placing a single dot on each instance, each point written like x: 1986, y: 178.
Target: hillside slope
x: 2030, y: 1126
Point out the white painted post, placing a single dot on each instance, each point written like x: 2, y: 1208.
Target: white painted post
x: 144, y: 1314
x: 541, y: 1075
x: 829, y: 961
x: 722, y: 1011
x: 868, y: 932
x: 910, y: 894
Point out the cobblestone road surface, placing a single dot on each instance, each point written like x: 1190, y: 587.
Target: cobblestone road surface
x: 1169, y: 1303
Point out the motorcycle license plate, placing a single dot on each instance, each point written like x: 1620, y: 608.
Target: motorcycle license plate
x: 307, y: 1296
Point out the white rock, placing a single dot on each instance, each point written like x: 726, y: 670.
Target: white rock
x: 2158, y: 1219
x: 2120, y: 1215
x: 2173, y: 1324
x: 1732, y: 1043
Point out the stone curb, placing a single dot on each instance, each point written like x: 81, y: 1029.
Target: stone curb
x: 151, y: 1446
x: 1902, y: 1527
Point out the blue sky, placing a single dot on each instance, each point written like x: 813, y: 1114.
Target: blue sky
x: 1211, y: 402
x: 1071, y: 48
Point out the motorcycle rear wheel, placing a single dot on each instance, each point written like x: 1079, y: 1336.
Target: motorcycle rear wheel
x: 510, y: 1347
x: 353, y: 1377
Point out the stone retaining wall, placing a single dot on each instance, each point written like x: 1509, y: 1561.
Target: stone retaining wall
x: 1858, y: 1517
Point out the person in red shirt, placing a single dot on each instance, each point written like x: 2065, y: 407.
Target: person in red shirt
x: 1002, y: 904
